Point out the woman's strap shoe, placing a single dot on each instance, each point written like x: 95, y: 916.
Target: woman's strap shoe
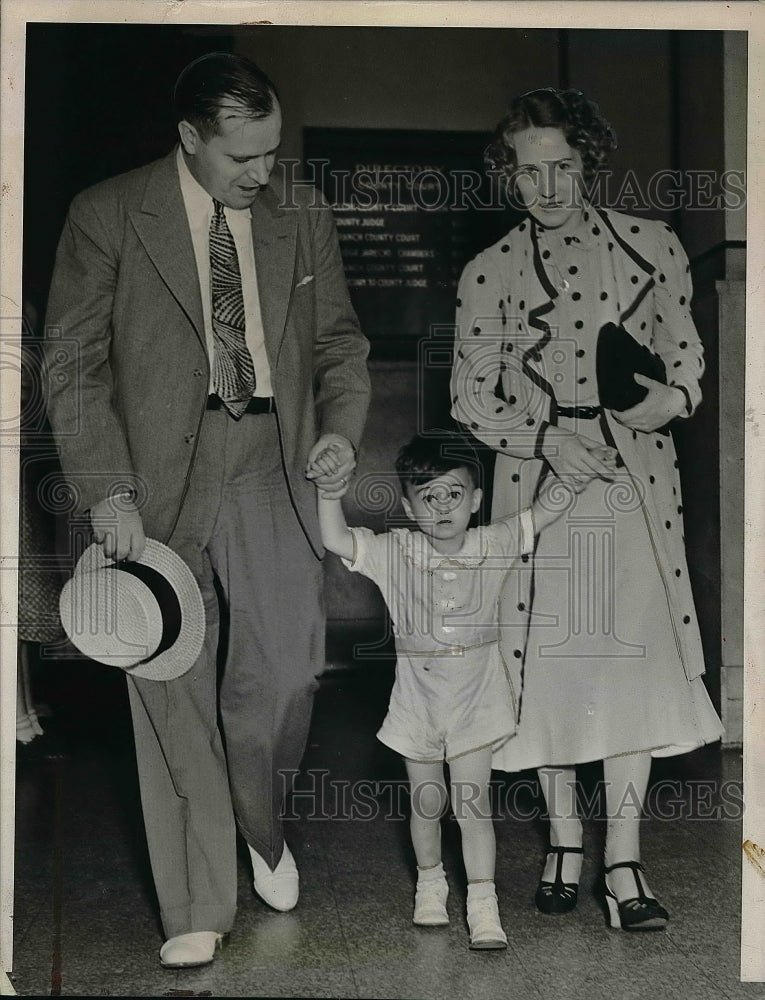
x: 187, y: 951
x: 558, y: 896
x: 638, y: 913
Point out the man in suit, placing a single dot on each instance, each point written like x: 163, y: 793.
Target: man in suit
x: 202, y: 349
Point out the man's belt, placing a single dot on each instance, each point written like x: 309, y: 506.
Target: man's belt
x: 258, y: 404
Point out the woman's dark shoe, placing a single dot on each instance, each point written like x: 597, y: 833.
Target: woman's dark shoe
x: 558, y: 896
x: 639, y: 913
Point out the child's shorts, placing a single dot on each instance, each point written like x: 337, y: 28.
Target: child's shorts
x: 446, y: 706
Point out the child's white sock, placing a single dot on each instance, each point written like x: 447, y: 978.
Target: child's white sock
x: 432, y: 873
x: 481, y: 889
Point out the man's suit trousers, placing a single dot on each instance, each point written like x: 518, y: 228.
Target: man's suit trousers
x: 217, y: 748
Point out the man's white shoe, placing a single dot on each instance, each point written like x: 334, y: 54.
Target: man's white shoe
x: 189, y: 950
x: 279, y: 888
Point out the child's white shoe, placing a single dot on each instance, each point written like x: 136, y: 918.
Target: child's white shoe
x: 483, y: 922
x: 430, y: 899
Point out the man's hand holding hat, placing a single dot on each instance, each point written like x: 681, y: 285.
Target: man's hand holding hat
x: 118, y: 527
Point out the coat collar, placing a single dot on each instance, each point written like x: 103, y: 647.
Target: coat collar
x: 162, y: 227
x: 537, y: 292
x: 533, y: 293
x: 274, y: 238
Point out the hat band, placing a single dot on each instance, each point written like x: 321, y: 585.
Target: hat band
x: 166, y: 598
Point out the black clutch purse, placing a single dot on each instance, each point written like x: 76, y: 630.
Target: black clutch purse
x: 618, y: 357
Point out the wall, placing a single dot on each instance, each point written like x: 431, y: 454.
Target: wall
x: 732, y: 364
x: 629, y: 74
x: 418, y: 78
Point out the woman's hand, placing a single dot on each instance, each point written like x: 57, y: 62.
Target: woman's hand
x: 576, y: 459
x: 662, y: 404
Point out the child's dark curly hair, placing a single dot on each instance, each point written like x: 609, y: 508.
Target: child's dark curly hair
x: 579, y: 118
x: 433, y: 453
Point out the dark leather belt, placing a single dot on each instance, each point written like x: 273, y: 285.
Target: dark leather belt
x: 580, y: 412
x: 258, y: 404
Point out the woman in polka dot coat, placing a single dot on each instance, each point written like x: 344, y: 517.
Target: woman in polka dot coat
x: 600, y: 626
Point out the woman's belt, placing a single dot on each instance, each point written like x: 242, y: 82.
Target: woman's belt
x: 580, y: 412
x: 446, y: 650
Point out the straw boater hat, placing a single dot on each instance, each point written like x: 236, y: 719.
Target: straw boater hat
x: 146, y: 617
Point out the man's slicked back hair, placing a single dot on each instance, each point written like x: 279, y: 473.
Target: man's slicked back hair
x: 209, y: 84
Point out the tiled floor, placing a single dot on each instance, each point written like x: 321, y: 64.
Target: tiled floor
x: 85, y: 920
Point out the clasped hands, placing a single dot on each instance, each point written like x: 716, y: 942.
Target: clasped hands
x: 576, y: 459
x: 330, y: 465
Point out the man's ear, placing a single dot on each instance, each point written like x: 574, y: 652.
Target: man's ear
x: 477, y: 498
x: 189, y: 137
x: 407, y: 508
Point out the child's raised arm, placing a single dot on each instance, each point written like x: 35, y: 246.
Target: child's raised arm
x: 335, y: 533
x: 545, y: 512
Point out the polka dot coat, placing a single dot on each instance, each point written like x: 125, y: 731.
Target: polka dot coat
x: 504, y: 389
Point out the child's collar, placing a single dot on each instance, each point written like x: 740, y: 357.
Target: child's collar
x: 419, y: 548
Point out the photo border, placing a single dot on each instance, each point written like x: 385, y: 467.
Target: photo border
x: 739, y: 15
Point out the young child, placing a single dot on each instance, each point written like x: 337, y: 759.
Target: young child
x: 452, y: 699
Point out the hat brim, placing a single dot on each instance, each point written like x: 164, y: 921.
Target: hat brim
x: 181, y: 655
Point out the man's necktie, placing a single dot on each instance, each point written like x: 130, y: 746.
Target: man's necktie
x: 233, y: 371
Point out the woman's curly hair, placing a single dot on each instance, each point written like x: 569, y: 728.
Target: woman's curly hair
x: 579, y: 118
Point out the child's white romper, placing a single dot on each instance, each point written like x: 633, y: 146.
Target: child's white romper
x: 452, y: 693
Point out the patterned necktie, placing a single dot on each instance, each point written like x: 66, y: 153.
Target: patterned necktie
x: 233, y: 371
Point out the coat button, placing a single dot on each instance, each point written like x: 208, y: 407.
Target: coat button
x: 197, y: 373
x: 188, y: 438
